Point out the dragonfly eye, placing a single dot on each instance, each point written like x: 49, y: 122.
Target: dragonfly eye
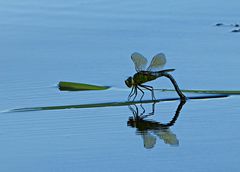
x: 128, y: 82
x: 131, y: 122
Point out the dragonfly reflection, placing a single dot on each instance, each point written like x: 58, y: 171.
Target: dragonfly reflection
x: 150, y: 129
x: 153, y: 72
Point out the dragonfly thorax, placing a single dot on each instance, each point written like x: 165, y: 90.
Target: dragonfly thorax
x: 144, y: 76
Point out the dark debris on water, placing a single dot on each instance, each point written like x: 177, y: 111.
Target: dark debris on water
x: 236, y: 30
x: 229, y: 25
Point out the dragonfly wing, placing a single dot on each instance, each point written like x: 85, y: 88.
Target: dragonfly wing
x: 149, y: 140
x: 139, y: 61
x: 157, y: 62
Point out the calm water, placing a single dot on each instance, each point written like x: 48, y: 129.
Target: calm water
x: 45, y: 42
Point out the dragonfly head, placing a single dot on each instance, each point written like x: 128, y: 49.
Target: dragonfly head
x: 129, y: 82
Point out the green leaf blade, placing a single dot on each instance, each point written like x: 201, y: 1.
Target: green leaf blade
x: 227, y: 92
x: 72, y: 86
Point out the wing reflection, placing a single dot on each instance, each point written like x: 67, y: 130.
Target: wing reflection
x: 150, y: 130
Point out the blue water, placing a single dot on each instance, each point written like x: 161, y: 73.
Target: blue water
x: 45, y: 42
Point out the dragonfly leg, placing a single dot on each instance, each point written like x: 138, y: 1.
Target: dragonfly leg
x: 153, y: 109
x: 141, y: 91
x: 150, y: 88
x: 135, y: 93
x: 179, y: 92
x: 143, y: 112
x: 131, y: 94
x: 151, y: 113
x: 134, y: 111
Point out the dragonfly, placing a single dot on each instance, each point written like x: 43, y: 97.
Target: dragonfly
x: 145, y: 74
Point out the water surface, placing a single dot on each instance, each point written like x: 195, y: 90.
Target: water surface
x: 45, y: 42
